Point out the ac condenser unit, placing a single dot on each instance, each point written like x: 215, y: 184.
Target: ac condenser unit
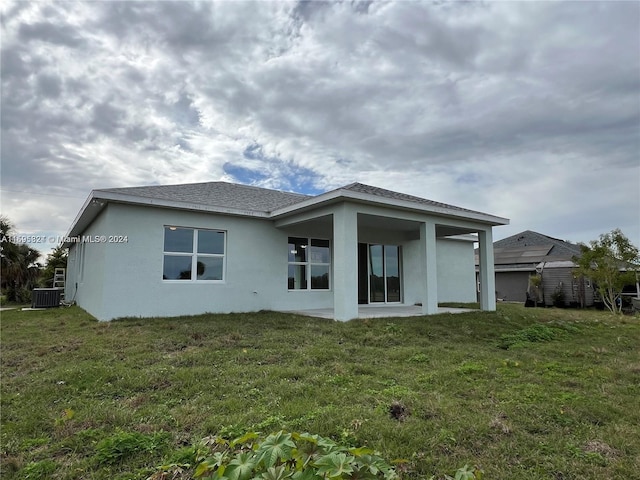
x: 45, y: 297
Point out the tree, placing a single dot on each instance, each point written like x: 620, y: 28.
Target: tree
x: 611, y: 263
x: 18, y: 263
x: 56, y: 259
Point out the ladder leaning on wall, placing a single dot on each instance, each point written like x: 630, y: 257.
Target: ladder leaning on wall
x: 58, y: 280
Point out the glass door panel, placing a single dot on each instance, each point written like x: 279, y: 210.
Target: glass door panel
x: 392, y: 272
x: 384, y: 274
x: 376, y: 273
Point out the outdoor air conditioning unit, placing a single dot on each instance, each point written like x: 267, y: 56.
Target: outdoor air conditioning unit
x: 45, y: 297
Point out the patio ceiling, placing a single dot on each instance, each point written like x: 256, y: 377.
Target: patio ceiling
x: 382, y: 222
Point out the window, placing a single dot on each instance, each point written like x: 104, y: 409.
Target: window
x: 192, y: 254
x: 309, y: 264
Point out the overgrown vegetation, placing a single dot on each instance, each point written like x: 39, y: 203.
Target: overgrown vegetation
x: 82, y: 399
x: 611, y: 262
x: 21, y: 270
x: 56, y: 259
x: 18, y: 263
x: 281, y: 455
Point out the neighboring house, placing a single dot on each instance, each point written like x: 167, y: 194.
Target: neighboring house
x: 528, y: 253
x: 562, y: 287
x: 221, y: 247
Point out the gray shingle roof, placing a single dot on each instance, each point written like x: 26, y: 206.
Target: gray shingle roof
x: 245, y: 199
x: 217, y: 194
x: 529, y: 248
x: 381, y: 192
x: 528, y: 238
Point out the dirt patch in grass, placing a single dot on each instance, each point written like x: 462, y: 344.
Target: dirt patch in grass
x: 596, y: 446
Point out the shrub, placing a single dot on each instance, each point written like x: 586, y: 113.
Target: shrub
x: 557, y: 297
x: 531, y: 334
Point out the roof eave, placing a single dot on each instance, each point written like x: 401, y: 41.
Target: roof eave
x: 160, y: 202
x: 342, y: 195
x: 98, y: 199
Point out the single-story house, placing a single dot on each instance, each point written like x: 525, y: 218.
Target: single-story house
x: 220, y: 247
x: 523, y: 255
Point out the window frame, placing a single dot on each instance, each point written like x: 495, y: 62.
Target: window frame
x: 308, y: 264
x: 194, y: 254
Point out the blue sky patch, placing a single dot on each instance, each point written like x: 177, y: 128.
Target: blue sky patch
x: 242, y: 174
x: 273, y: 172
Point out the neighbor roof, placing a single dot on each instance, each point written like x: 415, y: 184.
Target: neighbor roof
x: 524, y: 250
x: 529, y: 239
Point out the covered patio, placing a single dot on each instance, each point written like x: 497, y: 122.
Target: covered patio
x: 385, y: 252
x: 382, y: 311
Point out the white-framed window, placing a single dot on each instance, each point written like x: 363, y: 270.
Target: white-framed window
x: 193, y: 254
x: 309, y: 264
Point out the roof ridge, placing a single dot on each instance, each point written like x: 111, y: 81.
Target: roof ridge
x: 158, y: 185
x: 548, y: 236
x: 539, y: 239
x: 215, y: 182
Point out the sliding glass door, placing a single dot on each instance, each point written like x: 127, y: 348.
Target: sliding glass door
x: 384, y: 274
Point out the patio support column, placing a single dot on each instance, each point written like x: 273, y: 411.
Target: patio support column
x: 428, y: 261
x: 345, y: 262
x: 487, y: 271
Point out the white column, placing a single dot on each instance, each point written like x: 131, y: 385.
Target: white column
x: 487, y: 272
x: 429, y: 268
x: 345, y: 262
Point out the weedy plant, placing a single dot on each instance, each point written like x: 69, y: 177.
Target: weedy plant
x: 121, y: 445
x: 281, y: 455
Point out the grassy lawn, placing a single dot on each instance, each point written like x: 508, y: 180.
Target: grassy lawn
x: 522, y: 393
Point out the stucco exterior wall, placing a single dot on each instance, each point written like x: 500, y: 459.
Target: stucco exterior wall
x: 456, y: 271
x: 86, y: 279
x: 125, y: 279
x: 255, y: 276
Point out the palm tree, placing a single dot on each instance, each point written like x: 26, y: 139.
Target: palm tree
x: 19, y: 269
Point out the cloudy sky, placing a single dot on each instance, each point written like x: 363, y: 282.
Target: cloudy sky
x: 526, y: 110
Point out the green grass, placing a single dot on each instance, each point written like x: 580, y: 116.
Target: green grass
x: 522, y: 393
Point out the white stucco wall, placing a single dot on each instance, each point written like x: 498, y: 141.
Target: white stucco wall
x: 255, y: 277
x: 456, y: 271
x: 85, y: 283
x: 125, y: 279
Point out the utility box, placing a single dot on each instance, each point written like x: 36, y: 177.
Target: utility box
x: 45, y: 297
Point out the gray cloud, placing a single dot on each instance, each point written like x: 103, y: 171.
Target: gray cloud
x: 527, y: 110
x: 49, y: 33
